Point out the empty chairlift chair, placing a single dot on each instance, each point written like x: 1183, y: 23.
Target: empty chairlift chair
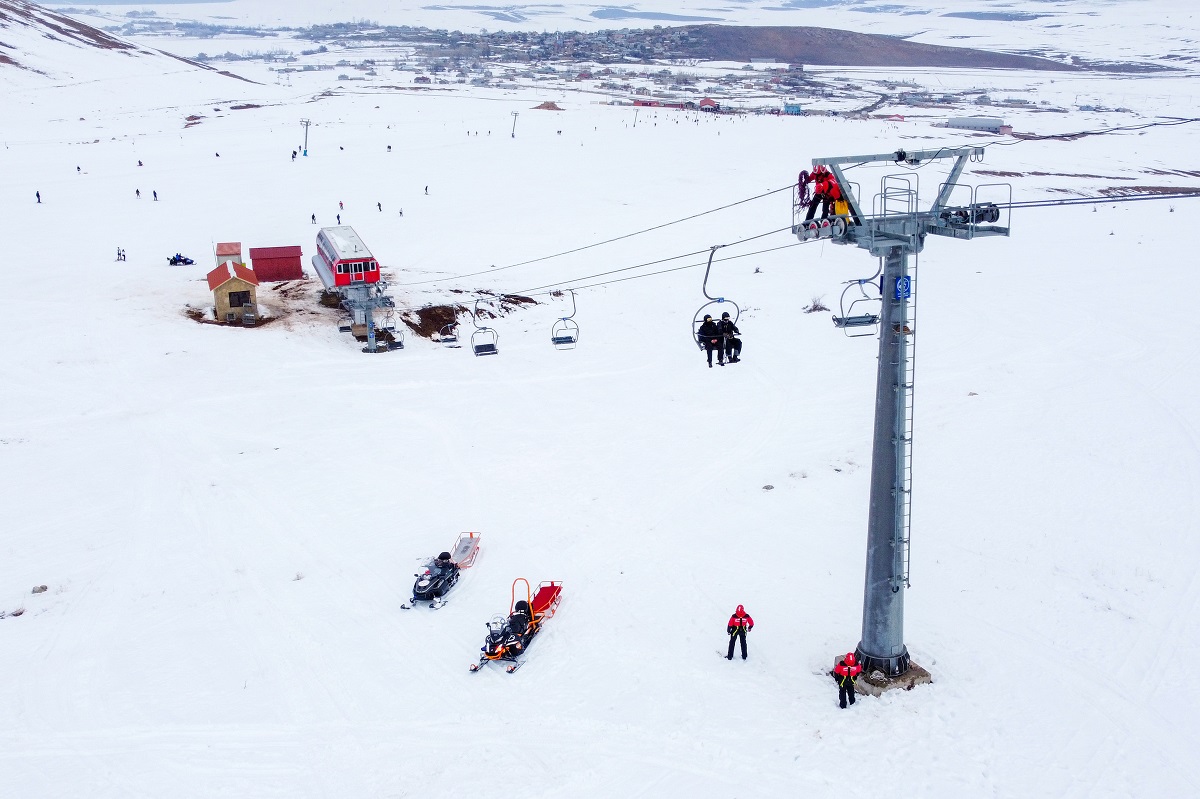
x: 863, y: 321
x: 485, y: 340
x: 448, y: 336
x: 395, y: 334
x: 564, y: 335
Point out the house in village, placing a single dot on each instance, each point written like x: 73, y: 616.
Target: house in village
x: 272, y: 264
x: 710, y: 105
x: 234, y: 289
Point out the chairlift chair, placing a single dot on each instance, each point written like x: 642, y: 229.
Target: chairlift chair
x: 564, y: 335
x: 861, y: 321
x: 448, y: 336
x: 710, y: 307
x: 485, y: 340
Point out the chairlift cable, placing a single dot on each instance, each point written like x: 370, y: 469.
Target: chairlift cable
x: 527, y: 292
x: 601, y: 243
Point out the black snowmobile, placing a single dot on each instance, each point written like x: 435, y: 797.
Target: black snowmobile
x: 438, y: 577
x: 440, y: 574
x: 180, y: 260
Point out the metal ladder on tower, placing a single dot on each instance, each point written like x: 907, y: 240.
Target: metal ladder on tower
x: 908, y: 332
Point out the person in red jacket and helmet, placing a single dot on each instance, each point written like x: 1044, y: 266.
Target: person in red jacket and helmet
x: 740, y: 623
x: 825, y: 192
x: 845, y: 672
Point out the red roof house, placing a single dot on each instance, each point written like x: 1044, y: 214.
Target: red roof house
x: 273, y: 264
x: 229, y: 251
x: 709, y: 104
x: 233, y: 287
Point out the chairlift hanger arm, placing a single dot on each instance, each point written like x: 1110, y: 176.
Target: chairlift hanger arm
x: 704, y: 287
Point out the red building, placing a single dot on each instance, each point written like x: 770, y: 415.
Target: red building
x: 273, y: 264
x: 710, y: 105
x: 342, y: 259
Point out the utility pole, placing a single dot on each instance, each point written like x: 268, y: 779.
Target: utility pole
x: 305, y: 123
x: 895, y: 229
x: 514, y: 130
x: 635, y: 113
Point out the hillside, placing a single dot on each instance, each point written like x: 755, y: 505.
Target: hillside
x: 38, y: 46
x: 827, y: 47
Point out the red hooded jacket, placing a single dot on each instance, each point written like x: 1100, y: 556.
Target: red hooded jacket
x: 740, y: 618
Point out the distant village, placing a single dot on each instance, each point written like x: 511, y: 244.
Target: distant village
x: 656, y: 67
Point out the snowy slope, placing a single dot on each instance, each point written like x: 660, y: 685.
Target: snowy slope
x: 170, y: 481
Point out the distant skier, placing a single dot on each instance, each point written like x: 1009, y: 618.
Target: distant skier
x: 137, y: 193
x: 426, y: 190
x: 340, y: 206
x: 380, y: 207
x: 155, y: 196
x: 845, y: 672
x: 740, y: 623
x: 728, y: 331
x: 314, y: 218
x: 293, y: 155
x: 339, y: 219
x: 139, y: 163
x: 389, y: 148
x: 401, y: 212
x: 709, y: 336
x: 218, y: 155
x: 39, y: 197
x: 78, y: 170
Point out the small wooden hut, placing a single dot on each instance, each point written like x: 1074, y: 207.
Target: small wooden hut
x: 234, y: 289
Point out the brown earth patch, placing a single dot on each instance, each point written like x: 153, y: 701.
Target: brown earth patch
x: 549, y: 105
x: 427, y: 322
x: 1121, y: 191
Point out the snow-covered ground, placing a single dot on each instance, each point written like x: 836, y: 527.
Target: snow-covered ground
x: 227, y: 520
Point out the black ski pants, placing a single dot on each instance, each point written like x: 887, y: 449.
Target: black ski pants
x: 845, y: 689
x: 710, y: 347
x: 819, y: 199
x: 738, y: 633
x: 733, y: 348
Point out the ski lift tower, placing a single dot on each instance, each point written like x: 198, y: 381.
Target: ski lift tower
x: 894, y: 230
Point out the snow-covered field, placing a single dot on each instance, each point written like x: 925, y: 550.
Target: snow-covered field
x: 227, y: 520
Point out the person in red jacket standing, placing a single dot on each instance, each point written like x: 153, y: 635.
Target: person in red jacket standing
x: 845, y: 672
x: 740, y: 623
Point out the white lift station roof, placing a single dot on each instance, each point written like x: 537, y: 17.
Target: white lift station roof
x: 346, y: 243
